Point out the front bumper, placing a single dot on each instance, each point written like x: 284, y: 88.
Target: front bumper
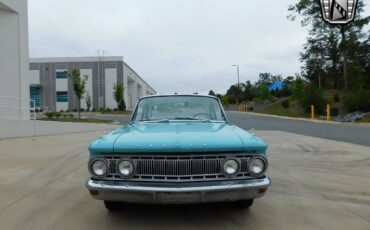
x: 173, y: 193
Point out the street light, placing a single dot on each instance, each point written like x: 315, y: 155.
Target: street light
x: 237, y: 71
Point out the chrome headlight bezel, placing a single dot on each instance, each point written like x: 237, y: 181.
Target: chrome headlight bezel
x: 132, y: 162
x: 263, y: 159
x: 236, y: 160
x: 91, y: 163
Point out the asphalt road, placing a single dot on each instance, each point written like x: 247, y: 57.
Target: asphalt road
x: 352, y: 133
x: 316, y: 184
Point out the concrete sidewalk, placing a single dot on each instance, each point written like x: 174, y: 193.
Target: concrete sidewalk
x: 14, y: 128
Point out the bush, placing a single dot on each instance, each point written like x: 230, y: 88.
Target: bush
x: 65, y: 115
x: 70, y: 115
x: 357, y: 100
x: 336, y: 97
x: 311, y: 95
x: 57, y: 114
x: 49, y: 114
x: 61, y: 111
x: 82, y: 110
x: 285, y: 103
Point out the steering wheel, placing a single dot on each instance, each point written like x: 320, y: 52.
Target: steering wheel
x: 198, y: 114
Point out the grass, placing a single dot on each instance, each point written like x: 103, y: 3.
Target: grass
x: 294, y: 110
x: 84, y: 120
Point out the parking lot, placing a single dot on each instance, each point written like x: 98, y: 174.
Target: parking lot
x: 316, y: 184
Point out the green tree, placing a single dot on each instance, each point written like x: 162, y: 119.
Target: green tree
x: 312, y: 95
x: 267, y: 79
x: 297, y: 87
x: 78, y: 86
x: 249, y: 92
x: 264, y: 93
x: 211, y: 93
x: 118, y: 91
x: 332, y: 50
x: 88, y: 100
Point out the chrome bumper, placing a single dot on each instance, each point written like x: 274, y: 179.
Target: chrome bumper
x: 173, y: 193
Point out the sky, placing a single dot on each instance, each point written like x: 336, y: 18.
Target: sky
x: 182, y: 46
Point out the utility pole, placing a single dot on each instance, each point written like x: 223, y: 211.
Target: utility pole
x: 237, y: 72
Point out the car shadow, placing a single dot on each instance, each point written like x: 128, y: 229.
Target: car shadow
x: 181, y: 216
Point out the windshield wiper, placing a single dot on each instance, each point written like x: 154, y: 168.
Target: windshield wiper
x: 185, y: 118
x: 155, y: 120
x: 197, y: 119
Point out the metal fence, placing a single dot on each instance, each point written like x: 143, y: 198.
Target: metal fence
x: 12, y: 108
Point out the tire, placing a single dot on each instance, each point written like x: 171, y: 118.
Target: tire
x: 244, y: 204
x: 113, y: 205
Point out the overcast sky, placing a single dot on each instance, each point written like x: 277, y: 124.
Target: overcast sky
x: 182, y: 46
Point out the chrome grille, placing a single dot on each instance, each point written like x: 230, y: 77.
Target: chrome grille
x: 182, y: 168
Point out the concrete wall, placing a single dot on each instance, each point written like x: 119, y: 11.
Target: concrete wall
x: 135, y: 87
x: 14, y: 59
x: 14, y: 129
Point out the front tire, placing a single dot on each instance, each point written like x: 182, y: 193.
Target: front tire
x: 244, y: 204
x: 113, y: 205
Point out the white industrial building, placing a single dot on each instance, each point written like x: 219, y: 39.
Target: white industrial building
x: 52, y: 89
x: 14, y: 88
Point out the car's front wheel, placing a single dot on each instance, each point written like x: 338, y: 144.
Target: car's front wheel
x: 244, y: 203
x: 113, y: 205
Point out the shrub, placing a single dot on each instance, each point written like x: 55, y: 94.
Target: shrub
x: 57, y: 114
x: 49, y: 114
x: 357, y: 100
x: 93, y: 110
x: 285, y: 103
x: 70, y: 115
x: 61, y: 111
x: 336, y: 97
x: 65, y: 115
x: 82, y: 110
x: 312, y: 95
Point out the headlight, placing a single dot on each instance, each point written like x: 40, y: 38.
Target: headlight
x: 257, y: 166
x: 230, y: 167
x: 98, y: 167
x: 125, y: 167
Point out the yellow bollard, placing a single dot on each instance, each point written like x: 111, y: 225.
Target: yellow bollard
x: 312, y: 112
x: 246, y: 107
x: 328, y: 112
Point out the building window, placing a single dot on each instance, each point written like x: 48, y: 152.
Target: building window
x: 61, y: 74
x: 35, y: 95
x: 62, y: 96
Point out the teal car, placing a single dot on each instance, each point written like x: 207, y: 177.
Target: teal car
x: 178, y: 149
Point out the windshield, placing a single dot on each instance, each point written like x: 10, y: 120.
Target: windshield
x: 178, y: 108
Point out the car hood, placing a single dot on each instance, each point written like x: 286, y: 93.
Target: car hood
x: 178, y: 137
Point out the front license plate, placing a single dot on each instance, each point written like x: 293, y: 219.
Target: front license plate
x: 180, y: 197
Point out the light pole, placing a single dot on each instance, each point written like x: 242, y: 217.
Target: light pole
x: 237, y: 71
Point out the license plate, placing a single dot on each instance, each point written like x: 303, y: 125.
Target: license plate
x: 180, y: 197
